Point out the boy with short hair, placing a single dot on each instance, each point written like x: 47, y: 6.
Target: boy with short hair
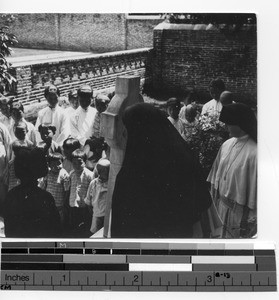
x: 57, y: 182
x: 97, y: 195
x: 20, y: 131
x: 80, y: 179
x: 69, y: 146
x: 47, y: 132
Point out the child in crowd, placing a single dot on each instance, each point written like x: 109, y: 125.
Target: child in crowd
x: 80, y: 179
x: 94, y: 148
x: 190, y: 121
x: 69, y: 146
x: 101, y: 104
x: 97, y: 195
x: 30, y: 212
x: 173, y: 108
x: 20, y: 131
x: 17, y: 113
x: 47, y: 132
x: 57, y: 182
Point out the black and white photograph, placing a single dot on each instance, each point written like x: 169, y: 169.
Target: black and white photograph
x: 128, y: 125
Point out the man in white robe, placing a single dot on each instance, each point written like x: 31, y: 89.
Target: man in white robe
x: 54, y: 115
x: 82, y: 120
x: 233, y: 176
x: 214, y: 106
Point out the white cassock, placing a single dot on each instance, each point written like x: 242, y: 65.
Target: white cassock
x: 81, y: 123
x: 55, y: 117
x: 233, y: 179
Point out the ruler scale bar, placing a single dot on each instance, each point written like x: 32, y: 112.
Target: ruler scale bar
x: 134, y: 266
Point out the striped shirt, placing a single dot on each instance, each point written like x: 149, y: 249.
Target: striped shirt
x: 56, y: 184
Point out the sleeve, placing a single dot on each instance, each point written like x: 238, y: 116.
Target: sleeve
x: 204, y: 109
x: 65, y: 130
x: 87, y: 199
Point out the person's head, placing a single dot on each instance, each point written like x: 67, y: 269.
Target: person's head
x: 70, y: 145
x: 101, y: 102
x: 55, y: 162
x: 17, y: 111
x: 240, y: 120
x: 78, y: 160
x: 30, y: 164
x: 47, y: 132
x: 51, y: 94
x: 216, y: 87
x: 173, y: 107
x: 103, y: 166
x: 93, y: 148
x: 226, y: 98
x: 190, y: 113
x: 20, y: 130
x: 5, y: 104
x: 73, y: 99
x: 85, y: 94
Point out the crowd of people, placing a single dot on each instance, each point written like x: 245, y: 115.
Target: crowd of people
x: 54, y: 174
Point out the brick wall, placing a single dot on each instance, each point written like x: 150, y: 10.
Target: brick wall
x: 83, y: 32
x: 99, y: 71
x: 190, y: 56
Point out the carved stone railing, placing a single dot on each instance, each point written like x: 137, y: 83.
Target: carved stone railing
x: 98, y: 70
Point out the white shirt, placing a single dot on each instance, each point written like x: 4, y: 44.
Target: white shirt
x: 56, y: 117
x: 212, y: 107
x: 81, y: 123
x: 97, y: 197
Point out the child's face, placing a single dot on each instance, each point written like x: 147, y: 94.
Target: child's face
x: 100, y: 106
x: 78, y: 164
x: 103, y: 173
x: 46, y: 134
x: 20, y: 133
x: 55, y: 166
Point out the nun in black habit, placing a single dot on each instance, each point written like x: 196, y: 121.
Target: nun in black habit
x: 160, y: 191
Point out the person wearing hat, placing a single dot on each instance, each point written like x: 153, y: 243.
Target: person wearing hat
x: 214, y: 106
x: 54, y: 115
x: 101, y: 104
x: 233, y: 176
x: 82, y: 120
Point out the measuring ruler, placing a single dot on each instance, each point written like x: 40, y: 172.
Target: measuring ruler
x: 137, y: 266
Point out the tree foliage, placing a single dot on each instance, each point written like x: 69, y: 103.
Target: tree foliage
x: 7, y: 40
